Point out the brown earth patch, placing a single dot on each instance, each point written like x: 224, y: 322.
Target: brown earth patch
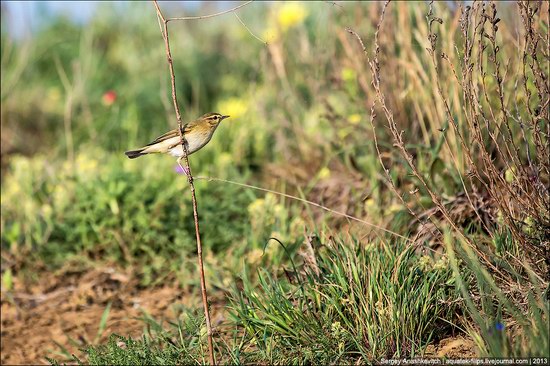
x: 452, y: 347
x: 65, y: 310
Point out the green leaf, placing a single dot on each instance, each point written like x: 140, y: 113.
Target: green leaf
x: 7, y: 280
x: 103, y: 322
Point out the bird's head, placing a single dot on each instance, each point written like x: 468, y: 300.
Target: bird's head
x: 213, y: 118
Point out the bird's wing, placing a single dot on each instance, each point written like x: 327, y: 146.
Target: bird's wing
x: 170, y: 139
x: 173, y: 133
x: 164, y: 137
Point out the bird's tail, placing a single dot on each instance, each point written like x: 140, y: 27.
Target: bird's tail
x: 132, y: 154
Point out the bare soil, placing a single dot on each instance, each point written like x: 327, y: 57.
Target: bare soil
x: 64, y: 310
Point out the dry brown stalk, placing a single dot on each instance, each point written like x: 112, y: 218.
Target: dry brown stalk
x: 529, y: 192
x: 163, y: 24
x: 375, y: 68
x: 465, y: 148
x: 164, y: 31
x: 397, y: 135
x: 375, y: 138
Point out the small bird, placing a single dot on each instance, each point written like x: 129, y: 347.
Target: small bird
x: 197, y: 134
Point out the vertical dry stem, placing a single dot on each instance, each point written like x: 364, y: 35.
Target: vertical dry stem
x: 164, y: 31
x: 397, y: 135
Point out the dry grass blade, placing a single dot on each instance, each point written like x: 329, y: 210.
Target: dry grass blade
x: 397, y: 135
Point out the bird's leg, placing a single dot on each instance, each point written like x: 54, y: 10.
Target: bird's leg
x: 183, y: 169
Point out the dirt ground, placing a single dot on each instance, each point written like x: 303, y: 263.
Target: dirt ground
x: 65, y: 310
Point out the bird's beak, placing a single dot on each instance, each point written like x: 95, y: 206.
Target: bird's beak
x: 224, y: 117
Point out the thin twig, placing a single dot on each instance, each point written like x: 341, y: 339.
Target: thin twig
x: 305, y: 201
x: 209, y: 15
x: 164, y: 31
x: 248, y: 29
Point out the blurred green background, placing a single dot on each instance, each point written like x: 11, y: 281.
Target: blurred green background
x: 96, y: 88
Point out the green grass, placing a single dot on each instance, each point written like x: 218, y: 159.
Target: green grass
x: 509, y: 312
x: 361, y: 301
x: 106, y: 211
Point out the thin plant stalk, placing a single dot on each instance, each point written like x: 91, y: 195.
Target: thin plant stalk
x: 164, y: 31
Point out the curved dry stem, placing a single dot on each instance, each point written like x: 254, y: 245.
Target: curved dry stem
x: 209, y: 15
x: 397, y: 135
x: 307, y: 202
x: 163, y: 22
x: 248, y: 29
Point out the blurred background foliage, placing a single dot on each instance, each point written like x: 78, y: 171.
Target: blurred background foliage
x: 76, y: 96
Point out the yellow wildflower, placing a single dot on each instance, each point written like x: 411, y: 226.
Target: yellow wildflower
x: 256, y: 207
x: 354, y: 118
x: 46, y: 210
x: 235, y: 107
x: 291, y: 14
x: 296, y: 228
x: 225, y: 159
x: 255, y: 256
x: 324, y: 173
x: 370, y: 205
x: 348, y: 74
x: 86, y: 165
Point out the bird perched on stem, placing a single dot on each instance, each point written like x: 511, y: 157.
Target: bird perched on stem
x: 196, y: 133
